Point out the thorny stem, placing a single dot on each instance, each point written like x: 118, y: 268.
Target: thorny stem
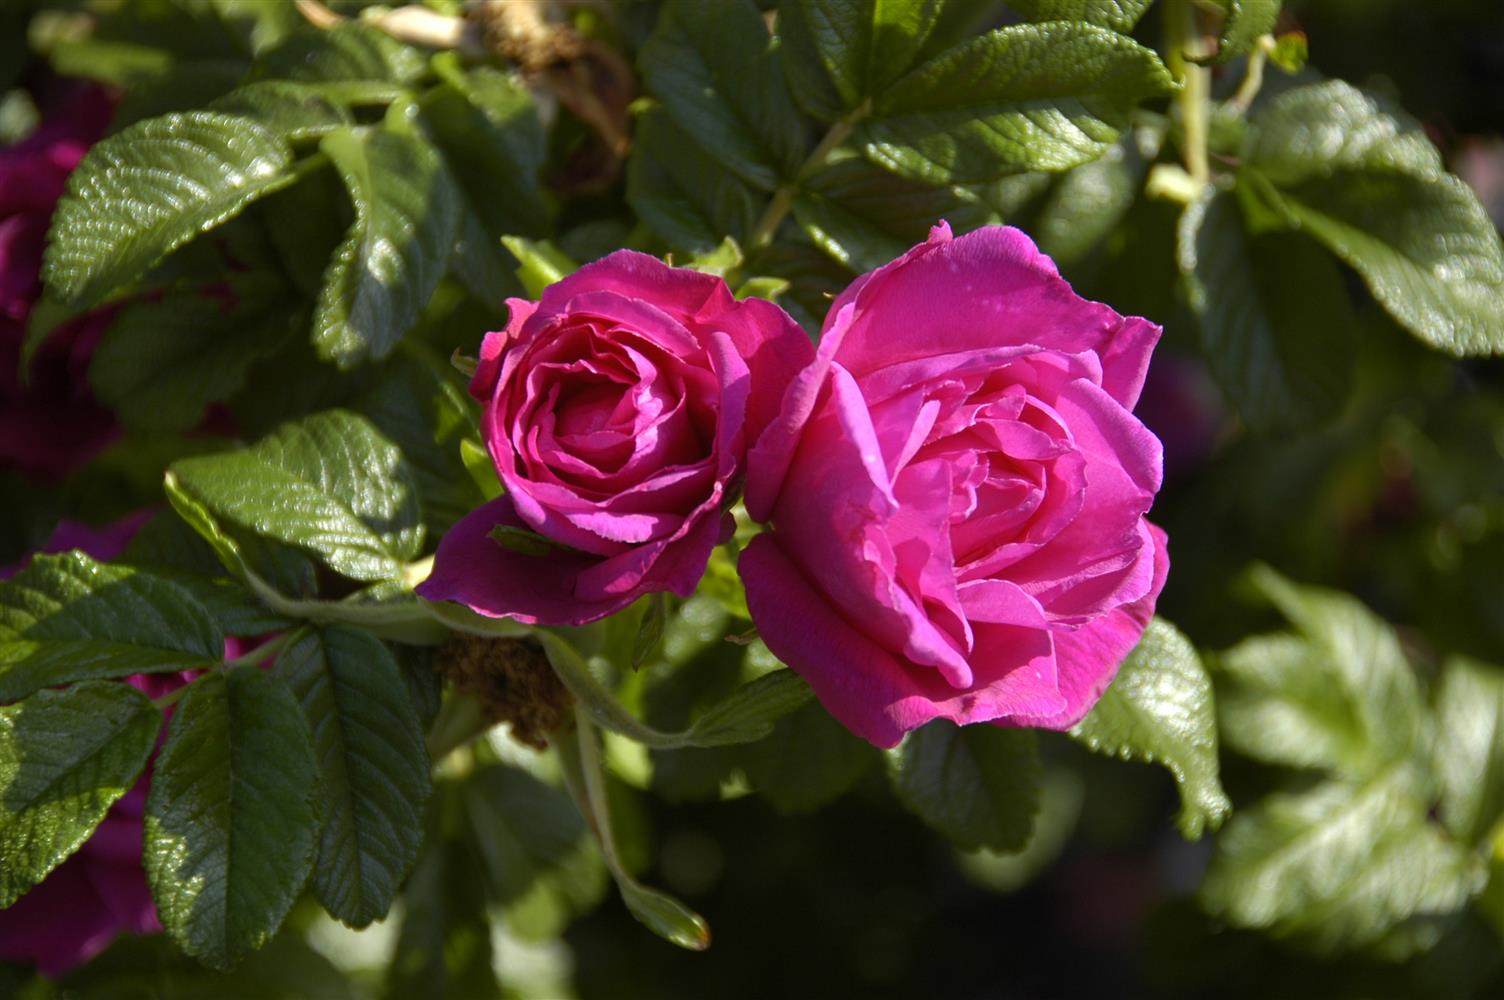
x: 783, y: 198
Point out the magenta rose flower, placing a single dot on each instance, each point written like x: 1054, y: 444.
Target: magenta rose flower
x: 956, y: 491
x: 618, y: 411
x: 52, y: 423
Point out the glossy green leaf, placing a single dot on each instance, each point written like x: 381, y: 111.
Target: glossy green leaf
x: 331, y: 485
x: 68, y: 618
x: 1119, y: 15
x: 65, y: 757
x: 1469, y: 755
x: 295, y: 110
x: 143, y: 193
x: 372, y: 763
x: 978, y: 785
x: 233, y: 814
x: 1028, y: 97
x: 1360, y: 177
x: 1160, y: 709
x: 391, y: 260
x: 681, y: 191
x: 861, y: 46
x: 1272, y: 310
x: 163, y: 361
x: 718, y: 74
x: 1340, y: 864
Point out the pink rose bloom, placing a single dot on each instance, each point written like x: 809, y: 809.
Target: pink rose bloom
x: 52, y: 424
x: 956, y: 490
x: 618, y: 412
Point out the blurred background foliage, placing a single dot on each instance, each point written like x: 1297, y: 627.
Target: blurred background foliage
x: 824, y: 886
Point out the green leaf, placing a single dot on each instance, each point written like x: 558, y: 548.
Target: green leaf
x: 748, y: 714
x: 1088, y: 203
x: 864, y: 216
x: 861, y: 45
x: 1359, y: 657
x: 1273, y: 315
x: 163, y: 361
x: 1469, y: 755
x: 391, y: 260
x: 681, y: 191
x: 719, y: 76
x: 488, y: 128
x: 1361, y: 178
x: 295, y: 110
x: 1028, y: 97
x: 1159, y: 708
x: 650, y: 630
x: 807, y: 760
x: 68, y: 618
x: 1340, y: 864
x: 540, y: 263
x: 443, y: 946
x: 348, y: 51
x: 65, y: 757
x: 1247, y: 21
x: 143, y: 193
x: 373, y: 765
x: 978, y: 785
x: 232, y: 817
x: 539, y: 860
x: 421, y: 407
x: 330, y: 485
x: 1119, y: 15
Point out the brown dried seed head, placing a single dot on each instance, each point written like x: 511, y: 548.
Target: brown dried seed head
x: 513, y: 681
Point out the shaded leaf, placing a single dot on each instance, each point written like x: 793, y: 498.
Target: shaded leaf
x: 978, y: 785
x: 1273, y: 314
x: 373, y: 767
x: 232, y: 816
x: 719, y: 76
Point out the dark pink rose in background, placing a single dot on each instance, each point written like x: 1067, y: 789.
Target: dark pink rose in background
x: 1184, y: 409
x: 618, y: 411
x: 956, y: 489
x: 51, y: 424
